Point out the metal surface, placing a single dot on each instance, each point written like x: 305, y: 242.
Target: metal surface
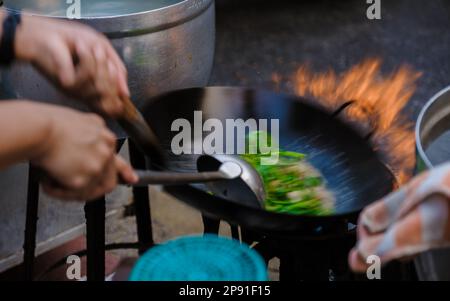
x: 89, y: 9
x: 246, y: 185
x: 225, y: 172
x: 433, y: 123
x: 141, y: 198
x: 95, y: 211
x: 29, y: 244
x: 248, y: 189
x: 350, y: 166
x: 163, y: 49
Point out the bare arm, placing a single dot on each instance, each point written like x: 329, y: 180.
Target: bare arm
x: 2, y: 17
x: 20, y: 140
x: 76, y: 58
x: 76, y: 149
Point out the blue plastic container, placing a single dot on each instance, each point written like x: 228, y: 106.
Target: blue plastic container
x: 200, y: 258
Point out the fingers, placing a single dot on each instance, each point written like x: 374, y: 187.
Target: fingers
x: 422, y: 229
x: 125, y: 171
x: 107, y: 181
x: 357, y: 262
x: 402, y: 239
x: 100, y: 182
x: 86, y: 72
x: 109, y: 178
x: 84, y: 64
x: 57, y: 64
x: 64, y: 63
x: 106, y: 83
x: 104, y: 184
x: 79, y: 60
x: 110, y: 139
x: 124, y: 90
x: 111, y: 78
x: 122, y: 77
x: 101, y: 77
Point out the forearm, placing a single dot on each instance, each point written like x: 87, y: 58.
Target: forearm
x: 24, y: 127
x: 22, y: 51
x: 2, y: 17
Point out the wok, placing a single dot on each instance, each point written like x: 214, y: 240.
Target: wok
x: 351, y: 167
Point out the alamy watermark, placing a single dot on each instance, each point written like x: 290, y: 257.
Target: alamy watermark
x: 232, y: 137
x: 73, y: 271
x: 374, y: 10
x: 373, y: 271
x: 74, y: 9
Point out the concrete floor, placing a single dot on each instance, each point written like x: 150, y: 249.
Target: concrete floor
x: 170, y: 219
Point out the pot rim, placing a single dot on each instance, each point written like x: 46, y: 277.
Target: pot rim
x: 419, y: 122
x: 143, y: 22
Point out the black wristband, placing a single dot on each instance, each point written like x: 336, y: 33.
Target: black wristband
x: 7, y: 51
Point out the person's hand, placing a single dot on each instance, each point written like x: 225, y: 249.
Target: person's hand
x: 407, y: 222
x: 76, y: 58
x: 80, y: 154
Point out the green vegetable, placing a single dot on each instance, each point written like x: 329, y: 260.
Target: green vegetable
x: 290, y: 187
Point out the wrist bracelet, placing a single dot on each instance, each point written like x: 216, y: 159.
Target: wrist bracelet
x: 7, y: 51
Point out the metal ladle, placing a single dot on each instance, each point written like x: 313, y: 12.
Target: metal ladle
x: 227, y: 176
x: 248, y: 188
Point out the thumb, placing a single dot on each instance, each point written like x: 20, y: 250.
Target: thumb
x: 125, y: 171
x: 64, y: 64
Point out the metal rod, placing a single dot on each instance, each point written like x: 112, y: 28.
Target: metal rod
x: 141, y: 201
x: 95, y: 239
x: 147, y: 177
x: 29, y: 245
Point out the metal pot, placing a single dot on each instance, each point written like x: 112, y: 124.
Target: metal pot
x: 165, y: 44
x: 432, y: 125
x: 433, y: 148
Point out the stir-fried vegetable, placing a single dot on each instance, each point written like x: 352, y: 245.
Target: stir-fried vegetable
x: 292, y: 185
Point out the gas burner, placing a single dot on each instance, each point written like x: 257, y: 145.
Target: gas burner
x: 323, y: 259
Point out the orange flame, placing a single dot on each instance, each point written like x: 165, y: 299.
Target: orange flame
x: 378, y: 101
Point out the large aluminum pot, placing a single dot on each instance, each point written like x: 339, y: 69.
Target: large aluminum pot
x: 433, y: 148
x: 165, y: 44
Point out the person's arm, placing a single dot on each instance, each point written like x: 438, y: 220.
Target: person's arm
x: 75, y: 149
x: 23, y: 131
x: 76, y: 58
x: 2, y: 18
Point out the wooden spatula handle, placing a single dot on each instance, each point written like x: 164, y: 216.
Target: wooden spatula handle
x: 140, y: 132
x: 130, y: 111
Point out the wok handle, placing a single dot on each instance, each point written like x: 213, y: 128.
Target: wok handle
x: 147, y: 177
x: 140, y: 132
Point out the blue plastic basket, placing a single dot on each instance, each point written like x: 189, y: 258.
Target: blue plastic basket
x: 200, y: 258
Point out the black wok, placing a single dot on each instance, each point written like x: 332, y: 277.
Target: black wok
x: 350, y: 166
